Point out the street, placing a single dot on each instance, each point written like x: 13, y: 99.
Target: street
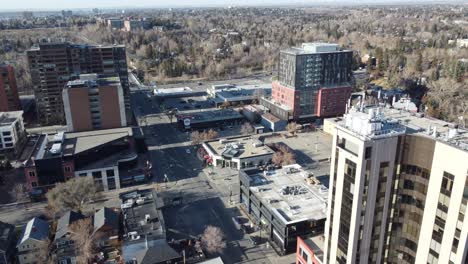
x: 194, y: 197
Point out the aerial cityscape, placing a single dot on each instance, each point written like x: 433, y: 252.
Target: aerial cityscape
x: 233, y: 132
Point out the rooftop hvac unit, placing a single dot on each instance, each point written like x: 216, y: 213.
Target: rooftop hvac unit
x: 452, y: 133
x: 56, y: 148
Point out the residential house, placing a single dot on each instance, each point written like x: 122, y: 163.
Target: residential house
x: 33, y: 238
x: 64, y: 245
x: 107, y: 223
x: 7, y: 239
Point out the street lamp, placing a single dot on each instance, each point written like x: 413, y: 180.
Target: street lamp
x: 166, y: 179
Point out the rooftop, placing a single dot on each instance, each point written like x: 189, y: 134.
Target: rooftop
x: 376, y: 122
x: 64, y: 222
x: 36, y: 228
x: 8, y: 118
x: 143, y: 219
x: 94, y: 80
x: 238, y: 147
x: 106, y: 217
x: 316, y: 244
x: 243, y: 91
x: 38, y: 47
x: 172, y: 91
x: 315, y: 48
x: 211, y: 115
x: 53, y: 145
x: 280, y: 105
x: 270, y: 117
x: 288, y: 194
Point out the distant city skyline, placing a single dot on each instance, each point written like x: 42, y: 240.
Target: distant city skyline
x: 51, y: 5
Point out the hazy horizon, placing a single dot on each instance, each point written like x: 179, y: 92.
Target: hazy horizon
x: 53, y: 5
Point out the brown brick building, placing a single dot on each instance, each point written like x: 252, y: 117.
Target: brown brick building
x: 94, y: 102
x: 52, y: 65
x: 9, y: 99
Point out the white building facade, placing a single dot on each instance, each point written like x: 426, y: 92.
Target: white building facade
x: 399, y: 191
x: 12, y: 130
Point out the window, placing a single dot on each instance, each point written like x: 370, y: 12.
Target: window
x: 7, y: 139
x: 111, y: 183
x: 6, y: 133
x: 97, y: 174
x: 303, y: 254
x: 67, y: 169
x: 32, y: 174
x: 110, y: 173
x: 368, y: 153
x: 34, y: 184
x: 8, y: 145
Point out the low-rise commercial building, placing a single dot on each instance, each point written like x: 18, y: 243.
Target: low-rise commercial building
x: 211, y: 91
x: 12, y: 133
x: 209, y: 119
x: 32, y: 240
x: 285, y: 203
x: 310, y: 250
x: 144, y: 231
x: 94, y: 102
x: 244, y: 94
x: 253, y: 112
x: 177, y: 92
x: 113, y: 157
x: 272, y: 122
x: 237, y: 153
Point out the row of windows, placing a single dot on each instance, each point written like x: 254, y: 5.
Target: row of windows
x: 415, y: 170
x: 346, y: 208
x: 442, y: 208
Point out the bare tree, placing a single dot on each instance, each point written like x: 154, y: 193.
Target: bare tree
x: 212, y: 240
x: 72, y: 194
x: 277, y: 158
x: 289, y: 158
x: 225, y: 105
x: 44, y: 253
x: 283, y: 156
x: 171, y: 114
x: 84, y: 235
x: 19, y: 191
x: 247, y: 128
x: 292, y: 128
x: 210, y: 135
x: 196, y: 137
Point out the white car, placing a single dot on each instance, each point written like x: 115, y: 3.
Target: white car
x: 188, y: 151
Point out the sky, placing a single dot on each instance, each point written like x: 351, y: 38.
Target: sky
x: 80, y: 4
